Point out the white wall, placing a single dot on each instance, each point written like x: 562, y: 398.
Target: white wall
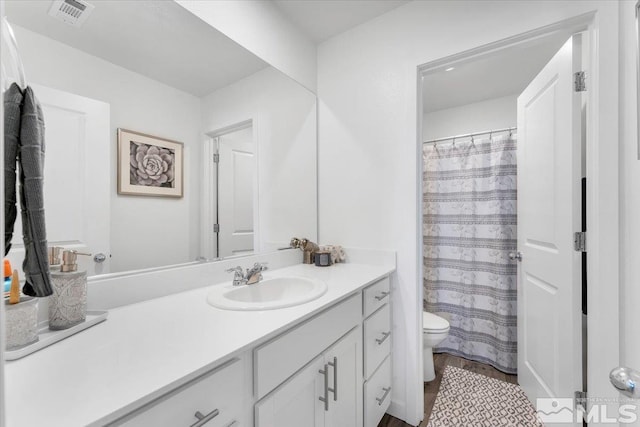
x: 145, y: 231
x: 284, y: 115
x: 497, y: 113
x: 629, y: 193
x: 263, y: 30
x: 368, y: 139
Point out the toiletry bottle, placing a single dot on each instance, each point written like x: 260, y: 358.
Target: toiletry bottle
x: 8, y: 272
x: 68, y: 304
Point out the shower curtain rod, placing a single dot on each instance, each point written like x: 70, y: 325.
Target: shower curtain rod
x: 467, y: 135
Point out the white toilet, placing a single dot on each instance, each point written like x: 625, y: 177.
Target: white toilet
x: 434, y: 330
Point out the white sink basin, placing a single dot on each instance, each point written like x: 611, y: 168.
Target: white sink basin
x: 268, y: 294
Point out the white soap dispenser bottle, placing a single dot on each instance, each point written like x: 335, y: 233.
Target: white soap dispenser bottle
x: 68, y: 304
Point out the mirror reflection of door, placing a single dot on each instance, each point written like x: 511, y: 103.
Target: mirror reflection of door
x: 236, y: 177
x: 77, y: 197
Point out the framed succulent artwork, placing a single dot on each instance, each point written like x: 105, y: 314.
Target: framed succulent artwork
x: 149, y: 165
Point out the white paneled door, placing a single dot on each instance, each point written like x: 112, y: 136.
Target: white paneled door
x: 236, y: 178
x: 549, y: 207
x: 77, y: 177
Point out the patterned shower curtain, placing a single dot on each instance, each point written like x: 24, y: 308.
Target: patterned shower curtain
x: 469, y: 228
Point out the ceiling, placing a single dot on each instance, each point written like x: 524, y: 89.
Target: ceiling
x: 158, y: 39
x: 163, y: 41
x: 323, y: 19
x: 502, y: 73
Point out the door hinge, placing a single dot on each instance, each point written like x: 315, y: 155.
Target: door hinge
x: 216, y: 228
x: 216, y: 158
x: 579, y: 81
x: 580, y: 241
x: 580, y: 400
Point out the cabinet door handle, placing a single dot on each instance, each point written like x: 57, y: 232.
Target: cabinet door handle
x: 382, y: 295
x: 203, y: 419
x: 325, y: 398
x: 334, y: 390
x: 385, y: 335
x: 384, y: 396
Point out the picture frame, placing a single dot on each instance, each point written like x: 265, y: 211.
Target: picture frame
x: 149, y: 165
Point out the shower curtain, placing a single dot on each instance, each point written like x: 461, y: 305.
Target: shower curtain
x: 469, y: 228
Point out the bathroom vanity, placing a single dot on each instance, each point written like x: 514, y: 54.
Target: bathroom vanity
x: 177, y: 360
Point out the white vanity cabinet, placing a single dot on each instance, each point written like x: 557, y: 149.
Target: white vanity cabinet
x: 331, y: 370
x: 327, y: 392
x: 311, y: 375
x: 377, y: 351
x: 304, y: 377
x: 216, y: 399
x: 323, y: 363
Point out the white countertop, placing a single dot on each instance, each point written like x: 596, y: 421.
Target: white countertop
x: 146, y: 349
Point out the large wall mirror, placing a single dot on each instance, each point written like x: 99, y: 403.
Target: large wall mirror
x: 638, y: 73
x: 248, y: 136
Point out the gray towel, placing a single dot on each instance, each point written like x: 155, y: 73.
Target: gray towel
x: 12, y: 111
x: 24, y: 143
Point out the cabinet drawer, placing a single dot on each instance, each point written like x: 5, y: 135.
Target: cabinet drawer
x: 376, y: 295
x: 221, y: 390
x: 377, y: 339
x: 280, y: 358
x: 377, y: 394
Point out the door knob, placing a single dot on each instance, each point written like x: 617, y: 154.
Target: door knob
x: 99, y: 258
x: 515, y: 256
x: 626, y: 380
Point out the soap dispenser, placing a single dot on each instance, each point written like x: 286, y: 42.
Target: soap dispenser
x: 68, y: 303
x: 54, y: 258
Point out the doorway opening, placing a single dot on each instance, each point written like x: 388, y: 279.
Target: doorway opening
x: 467, y: 101
x: 230, y: 192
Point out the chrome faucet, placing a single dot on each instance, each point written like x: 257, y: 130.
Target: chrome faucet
x: 238, y: 277
x: 253, y: 275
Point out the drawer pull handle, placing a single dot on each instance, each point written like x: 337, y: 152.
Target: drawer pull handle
x: 384, y: 396
x: 385, y: 335
x: 203, y: 419
x: 382, y: 295
x: 334, y: 390
x: 325, y: 398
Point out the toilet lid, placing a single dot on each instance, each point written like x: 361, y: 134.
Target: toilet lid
x: 433, y: 323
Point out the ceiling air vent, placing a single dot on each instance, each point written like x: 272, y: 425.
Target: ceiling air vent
x: 72, y: 12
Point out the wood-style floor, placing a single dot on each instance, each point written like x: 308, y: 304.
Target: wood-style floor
x: 431, y: 388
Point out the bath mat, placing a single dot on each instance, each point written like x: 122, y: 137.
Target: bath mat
x: 469, y: 399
